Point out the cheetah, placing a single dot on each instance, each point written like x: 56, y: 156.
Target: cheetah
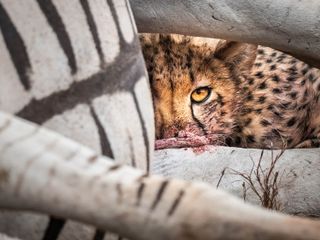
x: 210, y: 91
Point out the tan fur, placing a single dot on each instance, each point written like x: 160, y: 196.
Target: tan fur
x: 260, y: 97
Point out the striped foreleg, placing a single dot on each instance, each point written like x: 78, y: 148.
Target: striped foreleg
x: 44, y: 172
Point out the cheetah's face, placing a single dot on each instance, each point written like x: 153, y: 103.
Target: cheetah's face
x: 197, y: 96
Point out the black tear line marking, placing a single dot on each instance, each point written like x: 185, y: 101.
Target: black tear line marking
x: 16, y: 48
x: 200, y: 124
x: 160, y: 192
x: 54, y: 228
x: 144, y: 131
x: 56, y: 23
x: 93, y: 30
x: 99, y: 235
x: 176, y: 203
x: 104, y: 141
x: 140, y: 193
x: 119, y: 76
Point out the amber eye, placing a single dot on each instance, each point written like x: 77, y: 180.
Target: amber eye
x: 200, y: 94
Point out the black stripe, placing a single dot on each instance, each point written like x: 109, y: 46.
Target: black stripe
x: 115, y: 18
x: 166, y: 44
x: 104, y: 141
x: 130, y: 16
x: 133, y: 160
x: 114, y: 167
x: 93, y: 30
x: 54, y: 228
x: 119, y: 76
x: 140, y: 192
x: 160, y: 192
x: 99, y: 235
x: 176, y: 203
x: 144, y: 132
x: 58, y: 27
x: 16, y: 48
x: 189, y: 65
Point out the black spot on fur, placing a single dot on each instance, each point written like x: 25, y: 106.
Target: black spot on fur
x: 277, y: 114
x: 265, y: 123
x: 249, y: 97
x: 261, y: 51
x: 293, y: 95
x: 250, y: 139
x: 220, y: 99
x: 251, y: 81
x: 311, y: 77
x: 261, y: 99
x: 291, y: 122
x: 284, y: 105
x: 275, y: 78
x: 246, y: 111
x: 291, y: 78
x: 258, y: 111
x: 237, y: 140
x: 238, y: 129
x: 304, y: 71
x: 262, y: 85
x: 280, y: 59
x: 273, y: 67
x: 229, y: 141
x: 293, y: 69
x: 259, y: 74
x: 247, y: 122
x: 276, y: 90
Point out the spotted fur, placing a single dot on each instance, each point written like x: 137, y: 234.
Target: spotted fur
x: 260, y: 97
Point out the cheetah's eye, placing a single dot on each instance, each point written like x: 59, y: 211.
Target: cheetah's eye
x: 200, y: 94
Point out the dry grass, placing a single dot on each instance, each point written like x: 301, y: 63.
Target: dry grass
x: 263, y: 182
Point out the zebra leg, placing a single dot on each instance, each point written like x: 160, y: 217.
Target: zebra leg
x: 76, y: 68
x: 75, y: 183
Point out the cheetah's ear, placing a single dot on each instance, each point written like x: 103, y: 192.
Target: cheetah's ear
x: 239, y: 55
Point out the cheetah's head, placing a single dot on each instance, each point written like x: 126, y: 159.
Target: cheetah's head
x: 195, y: 91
